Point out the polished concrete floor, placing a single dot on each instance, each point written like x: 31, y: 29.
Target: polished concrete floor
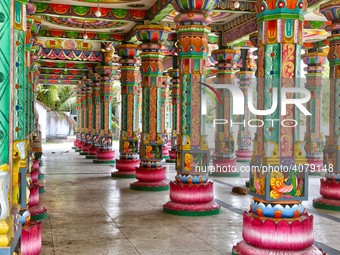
x: 90, y: 213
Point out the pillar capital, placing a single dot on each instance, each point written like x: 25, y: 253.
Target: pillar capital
x: 290, y: 9
x: 126, y: 51
x: 191, y: 5
x: 152, y: 33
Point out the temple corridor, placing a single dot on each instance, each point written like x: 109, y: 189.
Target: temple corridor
x: 90, y: 213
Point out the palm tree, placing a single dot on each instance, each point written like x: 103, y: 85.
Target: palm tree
x: 59, y: 98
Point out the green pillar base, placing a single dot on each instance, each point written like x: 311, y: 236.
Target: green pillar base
x: 314, y: 173
x: 84, y: 153
x: 326, y: 207
x: 39, y: 216
x: 77, y: 150
x: 74, y: 148
x: 98, y: 161
x: 192, y: 213
x: 243, y: 160
x: 149, y: 188
x: 224, y: 174
x: 166, y: 157
x: 91, y: 157
x: 170, y: 161
x: 41, y: 176
x: 41, y: 190
x: 114, y: 175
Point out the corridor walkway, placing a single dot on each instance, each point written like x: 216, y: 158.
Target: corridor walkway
x: 90, y: 213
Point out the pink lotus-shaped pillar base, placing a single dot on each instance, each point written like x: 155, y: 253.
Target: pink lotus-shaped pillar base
x: 35, y: 165
x: 292, y: 235
x: 172, y: 154
x: 80, y: 145
x: 315, y: 166
x: 31, y: 239
x: 86, y: 148
x: 190, y: 194
x: 326, y: 202
x: 37, y: 210
x: 93, y: 151
x: 34, y: 195
x: 105, y: 155
x: 165, y: 151
x: 224, y: 166
x: 243, y: 248
x: 150, y: 174
x: 34, y: 175
x: 150, y: 177
x: 330, y: 189
x: 75, y: 143
x: 191, y: 197
x: 126, y: 167
x: 244, y: 155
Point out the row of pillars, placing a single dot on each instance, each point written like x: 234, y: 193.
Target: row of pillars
x: 279, y: 58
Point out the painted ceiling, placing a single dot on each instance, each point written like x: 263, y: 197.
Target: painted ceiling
x: 65, y: 22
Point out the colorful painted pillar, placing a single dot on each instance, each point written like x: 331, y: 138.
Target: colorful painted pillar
x: 9, y: 227
x: 245, y: 75
x: 151, y: 173
x: 330, y: 188
x: 79, y: 144
x: 19, y: 161
x: 175, y: 97
x: 95, y: 115
x: 277, y: 221
x: 314, y: 59
x: 169, y: 125
x: 108, y: 72
x: 82, y: 117
x: 191, y: 193
x: 87, y: 130
x: 225, y: 161
x: 128, y: 145
x: 165, y: 115
x: 139, y: 110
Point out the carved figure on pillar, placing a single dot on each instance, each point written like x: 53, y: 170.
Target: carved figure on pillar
x: 191, y: 193
x: 128, y: 145
x: 330, y: 187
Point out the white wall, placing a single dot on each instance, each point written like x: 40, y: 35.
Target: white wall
x: 42, y: 120
x: 57, y: 125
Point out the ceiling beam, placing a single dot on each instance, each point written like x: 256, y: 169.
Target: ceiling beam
x: 229, y: 6
x: 86, y: 12
x: 92, y: 36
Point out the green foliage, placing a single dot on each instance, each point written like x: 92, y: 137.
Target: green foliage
x: 211, y: 111
x: 57, y: 97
